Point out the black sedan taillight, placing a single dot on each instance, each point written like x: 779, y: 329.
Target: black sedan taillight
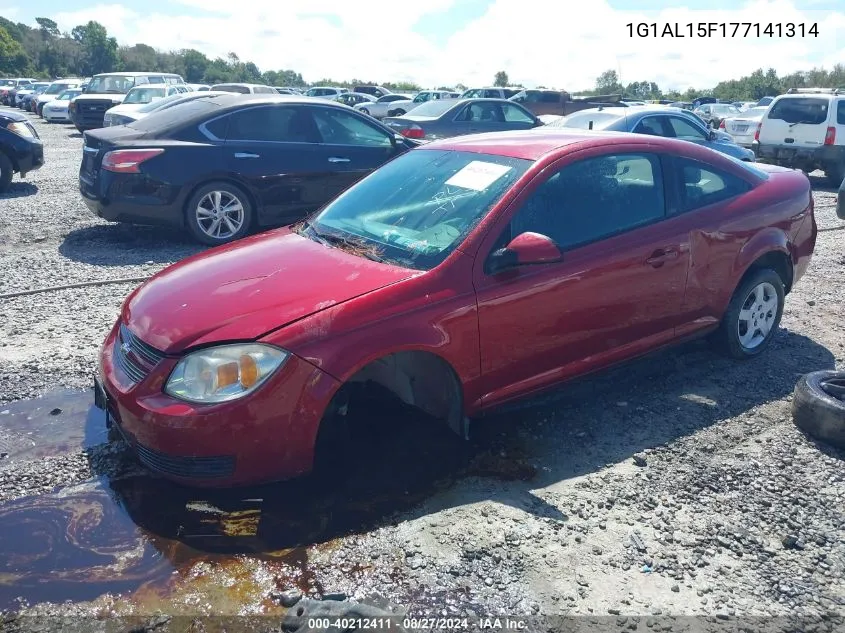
x: 128, y: 161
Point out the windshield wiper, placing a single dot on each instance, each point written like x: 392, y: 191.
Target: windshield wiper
x: 330, y: 239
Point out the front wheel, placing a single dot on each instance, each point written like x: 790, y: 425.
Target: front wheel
x: 219, y: 212
x: 753, y: 315
x: 835, y: 174
x: 6, y: 170
x: 398, y: 112
x: 365, y: 111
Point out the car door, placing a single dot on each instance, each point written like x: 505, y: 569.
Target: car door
x: 617, y: 292
x: 351, y: 147
x: 275, y: 151
x: 481, y: 116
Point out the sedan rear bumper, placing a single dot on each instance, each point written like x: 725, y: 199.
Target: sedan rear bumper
x: 131, y: 198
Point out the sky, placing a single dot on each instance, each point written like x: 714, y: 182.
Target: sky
x: 562, y: 44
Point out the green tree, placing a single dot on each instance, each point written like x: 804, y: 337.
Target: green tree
x: 48, y: 27
x: 13, y: 59
x: 501, y: 79
x: 100, y: 52
x: 608, y: 83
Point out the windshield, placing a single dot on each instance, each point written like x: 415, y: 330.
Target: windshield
x: 144, y: 95
x: 244, y: 90
x: 754, y: 112
x: 415, y: 210
x: 725, y: 109
x: 55, y: 89
x: 800, y: 110
x: 433, y: 108
x: 582, y: 120
x: 116, y: 84
x: 67, y: 95
x: 158, y: 103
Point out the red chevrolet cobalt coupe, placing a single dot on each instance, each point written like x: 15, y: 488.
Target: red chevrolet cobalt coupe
x: 460, y: 275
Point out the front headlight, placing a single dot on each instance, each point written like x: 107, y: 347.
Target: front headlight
x: 21, y: 129
x: 221, y: 374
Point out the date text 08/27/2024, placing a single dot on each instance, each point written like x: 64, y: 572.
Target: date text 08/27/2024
x: 723, y: 29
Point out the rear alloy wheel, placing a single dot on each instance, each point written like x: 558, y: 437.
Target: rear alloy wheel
x: 753, y: 315
x: 219, y: 213
x: 6, y: 170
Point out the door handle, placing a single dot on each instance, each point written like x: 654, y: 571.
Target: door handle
x: 246, y: 155
x: 661, y: 256
x: 338, y: 159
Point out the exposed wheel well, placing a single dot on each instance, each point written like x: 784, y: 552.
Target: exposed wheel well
x: 229, y: 181
x: 420, y: 379
x: 776, y: 261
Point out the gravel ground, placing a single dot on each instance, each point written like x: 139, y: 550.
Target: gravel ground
x: 674, y: 485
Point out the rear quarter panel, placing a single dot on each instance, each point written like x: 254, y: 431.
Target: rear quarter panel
x: 730, y: 237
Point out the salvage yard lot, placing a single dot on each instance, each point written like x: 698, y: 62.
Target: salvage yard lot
x: 676, y: 484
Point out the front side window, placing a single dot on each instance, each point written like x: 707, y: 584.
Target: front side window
x: 416, y: 209
x: 840, y: 113
x: 702, y: 185
x: 593, y: 199
x: 471, y: 94
x: 343, y: 128
x: 550, y: 97
x: 515, y: 114
x: 422, y: 97
x: 685, y: 130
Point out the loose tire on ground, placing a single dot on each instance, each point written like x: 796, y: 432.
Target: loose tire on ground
x: 767, y: 286
x: 818, y: 406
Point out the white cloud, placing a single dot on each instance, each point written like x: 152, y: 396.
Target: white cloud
x: 535, y: 41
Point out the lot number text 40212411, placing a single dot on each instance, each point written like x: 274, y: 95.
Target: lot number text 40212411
x: 722, y: 29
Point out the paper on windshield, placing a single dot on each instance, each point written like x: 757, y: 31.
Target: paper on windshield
x: 478, y: 175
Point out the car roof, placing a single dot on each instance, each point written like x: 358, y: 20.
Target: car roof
x: 230, y: 101
x: 152, y: 86
x: 537, y: 143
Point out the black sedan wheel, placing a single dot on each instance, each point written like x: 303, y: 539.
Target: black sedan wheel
x: 6, y: 170
x: 219, y: 212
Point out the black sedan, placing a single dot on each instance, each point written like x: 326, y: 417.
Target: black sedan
x: 21, y: 151
x: 229, y: 164
x: 452, y: 117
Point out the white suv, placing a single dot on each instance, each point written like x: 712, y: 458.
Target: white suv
x: 805, y: 129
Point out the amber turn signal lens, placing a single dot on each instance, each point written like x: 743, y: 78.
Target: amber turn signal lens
x: 249, y: 371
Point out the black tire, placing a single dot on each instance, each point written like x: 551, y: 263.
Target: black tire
x: 398, y: 112
x: 331, y: 449
x: 204, y: 195
x: 6, y: 171
x: 364, y: 111
x: 79, y: 128
x: 818, y: 406
x: 727, y: 338
x: 835, y: 174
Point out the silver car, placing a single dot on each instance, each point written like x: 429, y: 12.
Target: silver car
x: 657, y: 121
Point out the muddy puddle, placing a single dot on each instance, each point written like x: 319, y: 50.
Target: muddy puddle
x: 163, y: 546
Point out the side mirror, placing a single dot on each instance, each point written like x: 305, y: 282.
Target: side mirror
x: 712, y: 135
x: 525, y: 249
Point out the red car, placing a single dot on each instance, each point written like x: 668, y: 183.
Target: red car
x: 459, y: 276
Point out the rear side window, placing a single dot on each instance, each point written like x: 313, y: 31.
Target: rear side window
x: 800, y: 110
x: 701, y: 185
x: 550, y: 97
x: 594, y: 199
x: 272, y: 124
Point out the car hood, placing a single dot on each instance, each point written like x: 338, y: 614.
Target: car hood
x: 90, y: 96
x: 125, y: 108
x: 245, y: 289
